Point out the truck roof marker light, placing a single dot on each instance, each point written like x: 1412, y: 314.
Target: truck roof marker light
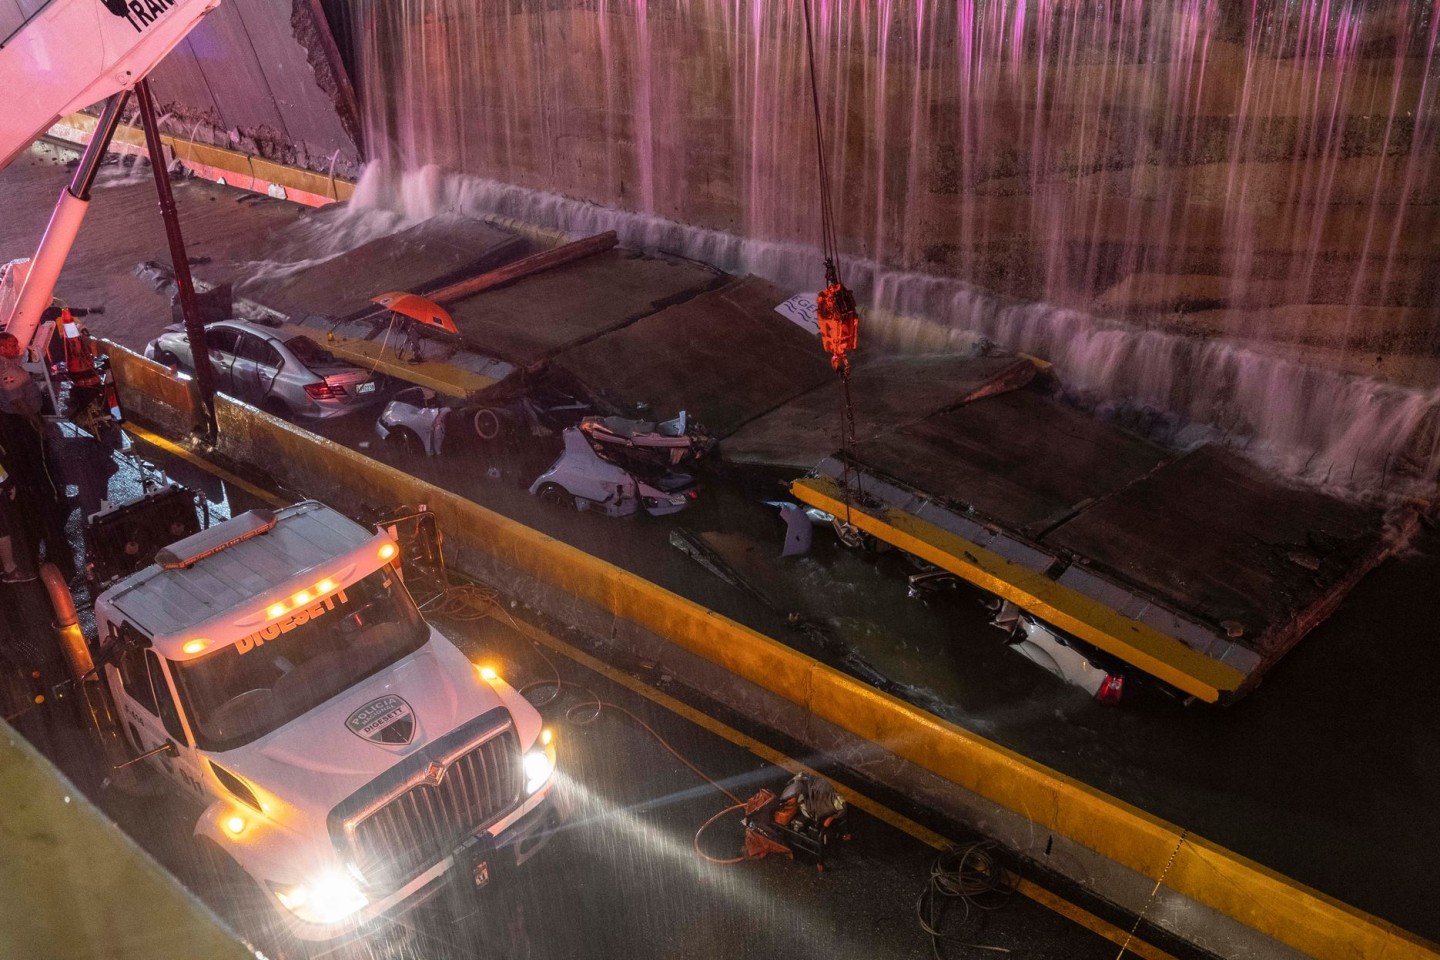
x: 325, y: 586
x: 302, y: 597
x: 388, y: 551
x: 275, y: 610
x: 194, y: 646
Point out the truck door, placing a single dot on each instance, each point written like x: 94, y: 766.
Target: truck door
x: 152, y: 719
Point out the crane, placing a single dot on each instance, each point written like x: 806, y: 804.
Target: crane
x: 67, y: 55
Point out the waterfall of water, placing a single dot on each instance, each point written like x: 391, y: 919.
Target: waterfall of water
x: 1034, y: 170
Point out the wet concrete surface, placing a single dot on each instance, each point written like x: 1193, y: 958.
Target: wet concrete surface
x: 621, y: 878
x: 888, y: 392
x: 412, y: 259
x: 1324, y: 774
x: 535, y: 317
x: 725, y: 356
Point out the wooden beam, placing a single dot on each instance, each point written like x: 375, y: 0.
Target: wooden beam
x: 526, y: 267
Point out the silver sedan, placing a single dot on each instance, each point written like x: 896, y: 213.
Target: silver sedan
x: 292, y: 377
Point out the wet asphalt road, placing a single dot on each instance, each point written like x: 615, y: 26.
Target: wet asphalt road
x: 621, y: 878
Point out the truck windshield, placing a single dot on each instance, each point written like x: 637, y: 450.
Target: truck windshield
x: 243, y: 691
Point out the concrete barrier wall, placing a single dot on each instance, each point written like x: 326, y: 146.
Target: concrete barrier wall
x: 150, y: 394
x: 1212, y: 883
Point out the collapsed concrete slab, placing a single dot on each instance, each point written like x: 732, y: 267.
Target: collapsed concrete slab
x: 1197, y: 568
x: 725, y: 356
x: 412, y: 259
x: 889, y: 392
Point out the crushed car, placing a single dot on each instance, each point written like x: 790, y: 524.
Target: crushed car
x: 667, y: 443
x: 585, y: 478
x: 420, y: 419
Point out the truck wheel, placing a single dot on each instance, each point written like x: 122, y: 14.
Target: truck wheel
x: 556, y: 495
x: 237, y: 898
x: 488, y: 425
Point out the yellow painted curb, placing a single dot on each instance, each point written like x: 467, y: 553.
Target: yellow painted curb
x: 213, y: 163
x: 1132, y: 641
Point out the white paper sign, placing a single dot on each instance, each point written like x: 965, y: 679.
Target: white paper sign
x: 800, y: 310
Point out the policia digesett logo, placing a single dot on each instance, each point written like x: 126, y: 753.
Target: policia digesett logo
x: 387, y: 719
x: 140, y: 13
x: 296, y: 618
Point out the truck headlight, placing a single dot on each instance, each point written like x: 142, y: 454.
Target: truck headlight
x: 328, y: 898
x: 539, y: 763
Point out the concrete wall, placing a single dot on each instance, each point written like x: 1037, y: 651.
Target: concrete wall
x: 1175, y: 162
x: 259, y: 77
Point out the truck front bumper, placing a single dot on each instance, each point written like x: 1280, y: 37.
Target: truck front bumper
x: 479, y: 862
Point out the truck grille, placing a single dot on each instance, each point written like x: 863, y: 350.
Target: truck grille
x: 439, y: 806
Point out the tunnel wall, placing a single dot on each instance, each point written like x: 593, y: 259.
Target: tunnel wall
x: 260, y: 77
x: 1198, y: 164
x: 1257, y: 170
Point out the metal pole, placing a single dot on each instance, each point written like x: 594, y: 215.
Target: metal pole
x: 189, y: 307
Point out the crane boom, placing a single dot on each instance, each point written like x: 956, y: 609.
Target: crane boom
x: 70, y: 54
x: 73, y: 53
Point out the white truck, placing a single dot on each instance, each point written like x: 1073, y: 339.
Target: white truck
x: 348, y: 760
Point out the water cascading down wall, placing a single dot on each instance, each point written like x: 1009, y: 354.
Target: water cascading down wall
x: 1262, y: 169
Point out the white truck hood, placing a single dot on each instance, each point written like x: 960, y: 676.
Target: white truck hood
x: 318, y: 759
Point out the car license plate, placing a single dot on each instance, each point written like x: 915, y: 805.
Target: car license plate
x: 367, y: 387
x: 482, y: 873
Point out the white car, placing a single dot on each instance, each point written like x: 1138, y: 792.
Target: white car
x: 583, y: 480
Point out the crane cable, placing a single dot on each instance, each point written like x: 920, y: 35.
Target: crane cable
x: 835, y: 306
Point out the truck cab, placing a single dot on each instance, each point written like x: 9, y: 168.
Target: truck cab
x: 344, y: 755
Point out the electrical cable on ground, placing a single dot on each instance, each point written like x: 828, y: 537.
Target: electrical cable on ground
x: 1130, y: 937
x: 968, y: 876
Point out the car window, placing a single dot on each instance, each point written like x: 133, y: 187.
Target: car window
x: 308, y: 352
x: 221, y: 338
x: 259, y: 350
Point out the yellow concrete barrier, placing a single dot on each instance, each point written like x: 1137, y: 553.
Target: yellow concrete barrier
x: 1206, y: 873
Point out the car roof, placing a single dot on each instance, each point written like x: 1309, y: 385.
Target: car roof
x: 248, y: 326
